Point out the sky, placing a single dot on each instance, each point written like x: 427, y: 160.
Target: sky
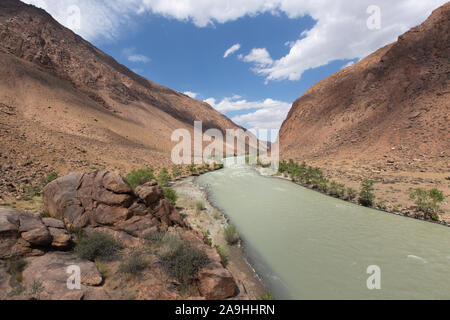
x: 249, y: 59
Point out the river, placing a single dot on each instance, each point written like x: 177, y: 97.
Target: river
x: 305, y: 245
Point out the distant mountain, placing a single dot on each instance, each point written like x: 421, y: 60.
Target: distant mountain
x: 65, y: 105
x: 385, y: 118
x: 398, y: 97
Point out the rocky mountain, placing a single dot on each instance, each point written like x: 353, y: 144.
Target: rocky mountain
x: 386, y: 117
x: 66, y: 105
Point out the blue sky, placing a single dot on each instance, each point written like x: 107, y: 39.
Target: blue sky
x: 281, y: 47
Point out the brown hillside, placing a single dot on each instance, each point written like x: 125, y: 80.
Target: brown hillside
x: 65, y: 105
x: 385, y: 118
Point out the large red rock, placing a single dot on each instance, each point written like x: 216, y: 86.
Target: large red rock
x: 216, y: 284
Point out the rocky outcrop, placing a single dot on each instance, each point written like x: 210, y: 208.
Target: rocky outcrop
x: 105, y: 199
x: 23, y: 233
x: 99, y: 202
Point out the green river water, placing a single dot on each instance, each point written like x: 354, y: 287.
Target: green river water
x: 305, y: 245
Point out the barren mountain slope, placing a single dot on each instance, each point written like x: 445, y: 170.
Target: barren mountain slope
x: 65, y: 105
x: 386, y: 118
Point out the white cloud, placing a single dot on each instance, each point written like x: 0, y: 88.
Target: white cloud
x: 266, y: 114
x: 132, y: 56
x: 193, y: 95
x: 235, y: 103
x: 232, y: 50
x: 340, y: 31
x: 260, y: 57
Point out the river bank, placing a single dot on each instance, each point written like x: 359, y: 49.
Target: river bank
x: 388, y: 207
x: 214, y: 221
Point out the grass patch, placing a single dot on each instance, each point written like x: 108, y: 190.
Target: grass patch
x: 97, y: 246
x: 266, y: 296
x: 49, y: 178
x: 171, y: 195
x: 217, y: 214
x: 231, y: 235
x: 138, y: 177
x: 208, y: 239
x: 199, y: 206
x: 31, y: 192
x: 134, y: 263
x: 15, y: 268
x: 223, y: 254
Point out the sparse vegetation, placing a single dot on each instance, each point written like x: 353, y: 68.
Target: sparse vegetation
x: 266, y: 296
x: 97, y: 246
x: 31, y: 192
x: 138, y: 177
x: 199, y: 206
x: 231, y: 234
x: 180, y: 260
x: 428, y: 201
x: 49, y: 178
x: 351, y: 194
x: 223, y: 255
x: 177, y: 171
x: 171, y: 195
x: 36, y: 288
x: 366, y: 195
x: 207, y: 236
x: 163, y: 177
x: 16, y: 267
x: 155, y: 237
x: 134, y: 263
x: 217, y: 214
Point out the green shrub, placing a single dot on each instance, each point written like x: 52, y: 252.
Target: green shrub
x: 36, y: 288
x: 155, y: 237
x: 366, y: 195
x: 351, y: 194
x: 428, y: 201
x: 192, y: 169
x: 180, y: 260
x: 223, y: 254
x: 217, y: 214
x: 337, y: 190
x: 266, y: 296
x: 231, y: 234
x: 199, y: 206
x: 163, y: 177
x: 171, y: 195
x: 207, y: 236
x: 31, y: 192
x: 97, y: 245
x: 177, y: 171
x: 138, y: 177
x: 16, y: 267
x: 49, y: 178
x: 134, y: 263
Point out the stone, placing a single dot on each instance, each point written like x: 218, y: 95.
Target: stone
x: 115, y: 183
x: 216, y: 284
x: 50, y: 271
x: 121, y: 237
x: 149, y: 193
x: 139, y: 209
x: 29, y: 221
x: 61, y: 239
x: 53, y: 223
x: 107, y: 215
x: 138, y: 226
x: 38, y: 237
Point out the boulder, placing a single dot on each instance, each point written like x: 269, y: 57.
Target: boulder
x: 50, y: 271
x: 115, y: 183
x: 38, y: 237
x: 9, y: 231
x: 53, y: 223
x: 149, y: 193
x: 138, y: 226
x: 216, y: 284
x: 61, y: 239
x: 107, y: 215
